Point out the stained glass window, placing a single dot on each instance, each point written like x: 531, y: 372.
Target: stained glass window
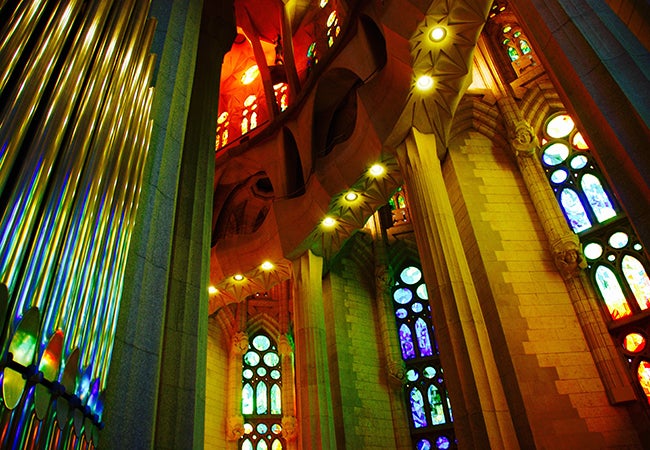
x: 430, y: 418
x: 517, y: 48
x: 262, y: 395
x: 614, y: 254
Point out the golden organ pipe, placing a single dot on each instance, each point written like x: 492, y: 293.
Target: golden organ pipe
x: 106, y: 266
x: 131, y: 190
x: 80, y: 287
x: 21, y: 105
x: 15, y: 37
x: 19, y: 220
x: 52, y: 228
x: 92, y: 170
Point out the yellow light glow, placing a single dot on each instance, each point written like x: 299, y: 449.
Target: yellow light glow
x: 250, y: 74
x: 376, y: 170
x: 212, y: 290
x: 267, y: 265
x: 424, y: 83
x: 329, y: 222
x: 238, y: 277
x: 437, y: 34
x: 351, y: 196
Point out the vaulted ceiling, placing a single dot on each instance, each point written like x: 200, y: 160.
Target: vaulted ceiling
x: 274, y: 185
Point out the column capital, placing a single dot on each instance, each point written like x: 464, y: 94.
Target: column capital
x: 396, y: 372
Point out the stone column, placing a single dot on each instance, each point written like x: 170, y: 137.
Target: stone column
x: 314, y: 397
x: 234, y: 417
x: 285, y: 349
x: 567, y: 254
x: 395, y: 368
x: 481, y: 415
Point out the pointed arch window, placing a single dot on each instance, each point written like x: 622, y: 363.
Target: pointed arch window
x: 617, y: 264
x: 430, y: 417
x: 262, y: 395
x: 517, y: 48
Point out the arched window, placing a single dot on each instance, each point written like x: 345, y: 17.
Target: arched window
x: 430, y: 420
x: 517, y: 47
x: 617, y: 265
x: 262, y: 395
x: 399, y: 208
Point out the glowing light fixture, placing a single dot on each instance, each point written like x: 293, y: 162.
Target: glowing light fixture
x: 351, y: 196
x: 424, y: 83
x: 238, y: 277
x: 437, y: 34
x: 329, y: 222
x: 376, y: 170
x: 212, y: 290
x: 250, y: 74
x: 267, y: 265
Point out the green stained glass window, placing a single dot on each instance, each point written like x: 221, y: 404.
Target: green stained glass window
x: 262, y: 395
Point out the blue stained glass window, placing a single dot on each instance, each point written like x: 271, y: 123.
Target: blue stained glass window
x: 442, y: 443
x: 262, y: 445
x: 555, y: 154
x: 403, y: 296
x: 411, y: 275
x: 276, y: 400
x: 406, y: 342
x: 424, y: 444
x: 598, y: 199
x: 417, y: 409
x: 574, y: 210
x: 525, y: 48
x: 416, y: 307
x: 247, y: 445
x: 247, y: 399
x: 435, y: 402
x: 401, y: 313
x: 513, y: 54
x: 424, y: 343
x: 261, y: 398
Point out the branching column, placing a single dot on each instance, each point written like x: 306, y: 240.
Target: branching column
x: 315, y: 412
x: 567, y: 254
x: 481, y: 414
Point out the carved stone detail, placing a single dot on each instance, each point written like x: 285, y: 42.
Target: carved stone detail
x: 396, y: 372
x: 567, y: 256
x: 290, y: 427
x: 235, y: 427
x: 523, y: 139
x: 239, y: 343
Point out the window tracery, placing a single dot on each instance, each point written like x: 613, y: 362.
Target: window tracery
x: 617, y: 265
x: 262, y: 395
x: 431, y: 419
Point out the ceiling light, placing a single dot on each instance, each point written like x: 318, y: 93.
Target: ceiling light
x: 351, y: 196
x: 437, y: 34
x: 238, y: 277
x: 424, y: 83
x: 376, y: 170
x: 267, y: 265
x: 212, y: 290
x: 329, y: 222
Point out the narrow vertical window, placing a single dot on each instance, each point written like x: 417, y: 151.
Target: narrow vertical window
x: 262, y: 395
x: 428, y: 404
x: 616, y: 261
